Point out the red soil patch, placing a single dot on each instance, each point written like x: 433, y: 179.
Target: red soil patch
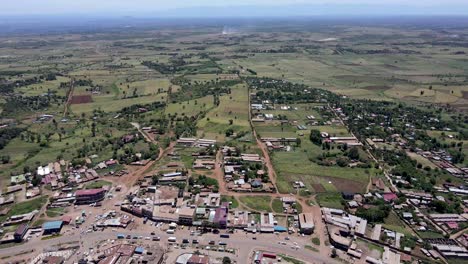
x: 81, y: 99
x: 344, y: 185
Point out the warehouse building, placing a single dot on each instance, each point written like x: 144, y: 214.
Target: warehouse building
x: 89, y: 196
x: 52, y: 227
x: 306, y: 223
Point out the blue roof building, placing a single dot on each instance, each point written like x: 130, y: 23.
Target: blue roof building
x: 280, y: 229
x: 139, y: 250
x: 52, y: 227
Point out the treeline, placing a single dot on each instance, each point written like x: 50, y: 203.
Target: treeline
x: 283, y: 92
x: 141, y: 108
x: 193, y: 90
x: 9, y: 87
x: 7, y: 134
x: 17, y: 104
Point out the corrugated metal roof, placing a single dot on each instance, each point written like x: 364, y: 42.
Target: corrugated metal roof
x: 52, y: 225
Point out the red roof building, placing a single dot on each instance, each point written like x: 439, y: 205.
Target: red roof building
x: 389, y: 197
x: 89, y: 196
x: 198, y: 259
x: 66, y: 219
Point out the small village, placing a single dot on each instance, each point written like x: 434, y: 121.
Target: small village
x: 209, y: 162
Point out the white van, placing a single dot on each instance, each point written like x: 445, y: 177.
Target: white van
x: 170, y: 231
x: 172, y: 239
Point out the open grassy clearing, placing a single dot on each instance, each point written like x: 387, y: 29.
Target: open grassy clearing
x: 296, y: 166
x: 97, y: 184
x: 26, y: 207
x: 422, y: 160
x: 54, y: 212
x: 234, y: 203
x: 108, y: 103
x: 257, y: 203
x: 331, y: 200
x: 393, y: 222
x: 277, y: 205
x: 233, y: 108
x: 146, y: 87
x: 191, y: 107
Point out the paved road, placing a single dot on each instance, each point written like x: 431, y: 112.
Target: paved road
x: 241, y: 241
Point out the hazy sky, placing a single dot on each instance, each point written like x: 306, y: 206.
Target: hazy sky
x: 145, y: 7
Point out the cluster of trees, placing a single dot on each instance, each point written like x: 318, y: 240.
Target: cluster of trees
x: 203, y: 181
x: 442, y: 207
x: 17, y: 104
x: 315, y: 137
x: 186, y: 128
x: 133, y: 109
x: 376, y: 213
x: 9, y: 87
x: 193, y: 90
x: 175, y: 65
x: 9, y: 133
x: 409, y: 169
x: 283, y: 92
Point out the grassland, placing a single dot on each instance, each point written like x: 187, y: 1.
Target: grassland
x: 257, y: 203
x: 234, y: 203
x: 26, y: 207
x: 108, y: 103
x: 393, y: 222
x: 233, y: 106
x: 296, y: 166
x: 97, y: 184
x: 277, y: 205
x: 331, y: 200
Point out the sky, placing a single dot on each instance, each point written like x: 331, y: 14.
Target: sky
x: 206, y: 7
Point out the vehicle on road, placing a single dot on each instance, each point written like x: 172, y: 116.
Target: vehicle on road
x: 224, y: 236
x: 172, y: 239
x: 155, y: 238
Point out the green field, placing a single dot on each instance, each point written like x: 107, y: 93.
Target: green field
x: 97, y: 184
x: 26, y: 207
x: 331, y: 200
x: 257, y: 203
x: 296, y: 166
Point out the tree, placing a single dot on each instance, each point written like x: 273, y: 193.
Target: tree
x: 342, y: 162
x: 333, y: 253
x: 227, y: 260
x: 229, y: 132
x: 93, y: 129
x: 154, y: 179
x: 353, y: 153
x: 298, y: 142
x: 5, y: 159
x: 36, y: 180
x: 315, y: 137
